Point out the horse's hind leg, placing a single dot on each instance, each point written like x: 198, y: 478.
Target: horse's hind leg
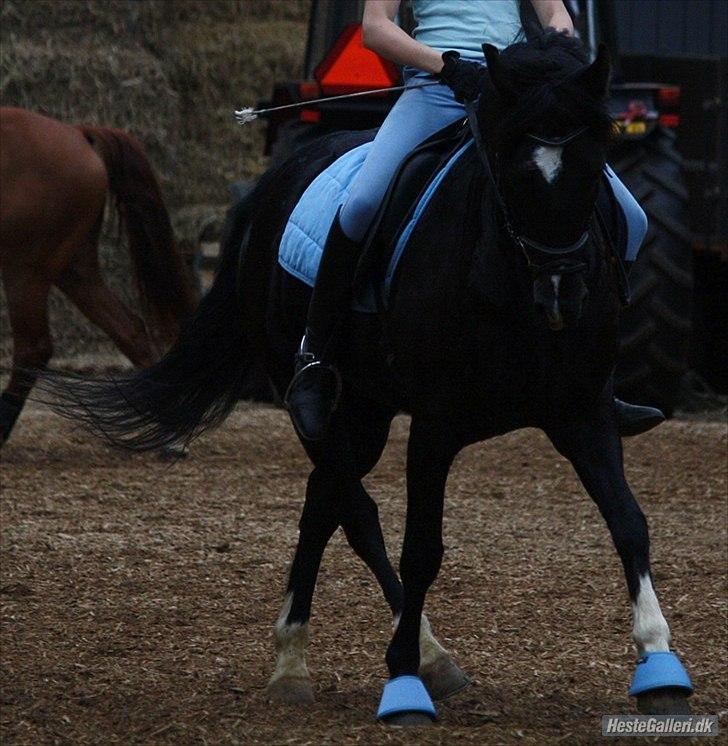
x: 439, y: 672
x: 335, y: 497
x: 333, y: 487
x: 83, y: 284
x: 596, y: 454
x: 360, y: 521
x: 27, y: 296
x: 290, y: 682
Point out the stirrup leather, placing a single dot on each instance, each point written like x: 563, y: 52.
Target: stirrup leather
x: 303, y: 356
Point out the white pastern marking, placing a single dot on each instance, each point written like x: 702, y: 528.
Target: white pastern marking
x: 650, y: 632
x: 430, y: 648
x: 548, y: 160
x: 291, y: 643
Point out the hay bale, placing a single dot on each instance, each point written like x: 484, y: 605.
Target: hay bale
x: 171, y: 77
x: 147, y: 18
x: 96, y: 82
x: 216, y: 69
x: 171, y: 73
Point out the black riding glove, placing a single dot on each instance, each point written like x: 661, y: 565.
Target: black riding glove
x: 463, y: 76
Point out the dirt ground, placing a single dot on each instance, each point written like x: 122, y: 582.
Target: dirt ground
x: 138, y: 597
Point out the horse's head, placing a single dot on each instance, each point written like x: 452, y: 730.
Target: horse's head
x: 547, y: 131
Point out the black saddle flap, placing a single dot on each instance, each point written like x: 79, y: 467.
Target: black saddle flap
x: 408, y: 184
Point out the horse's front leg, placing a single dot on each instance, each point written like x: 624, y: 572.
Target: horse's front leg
x: 439, y: 672
x: 405, y: 700
x: 660, y: 684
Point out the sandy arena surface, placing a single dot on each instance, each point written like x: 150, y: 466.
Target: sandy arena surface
x: 138, y: 597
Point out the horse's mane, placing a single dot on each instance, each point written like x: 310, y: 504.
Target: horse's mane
x: 542, y: 73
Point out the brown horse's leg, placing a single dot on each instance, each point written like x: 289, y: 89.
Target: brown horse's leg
x: 86, y: 288
x: 27, y: 296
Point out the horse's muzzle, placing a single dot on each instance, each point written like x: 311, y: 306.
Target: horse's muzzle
x: 559, y: 299
x: 555, y: 319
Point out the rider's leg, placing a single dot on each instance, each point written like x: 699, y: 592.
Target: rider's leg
x: 631, y: 419
x: 418, y: 114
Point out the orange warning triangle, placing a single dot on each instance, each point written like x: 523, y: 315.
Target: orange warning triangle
x: 350, y: 67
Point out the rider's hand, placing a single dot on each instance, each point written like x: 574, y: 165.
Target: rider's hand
x: 463, y: 76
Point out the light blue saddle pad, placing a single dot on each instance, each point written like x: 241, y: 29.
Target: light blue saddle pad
x: 305, y: 234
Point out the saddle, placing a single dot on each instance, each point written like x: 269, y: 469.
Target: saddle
x: 415, y: 174
x: 407, y: 198
x: 413, y: 184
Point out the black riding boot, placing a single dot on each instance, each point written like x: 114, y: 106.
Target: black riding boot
x: 314, y: 392
x: 633, y: 419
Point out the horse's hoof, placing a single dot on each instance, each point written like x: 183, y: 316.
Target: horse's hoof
x: 663, y: 702
x: 409, y: 719
x: 290, y: 690
x: 443, y: 677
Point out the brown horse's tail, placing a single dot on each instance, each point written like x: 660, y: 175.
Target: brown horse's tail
x: 161, y: 277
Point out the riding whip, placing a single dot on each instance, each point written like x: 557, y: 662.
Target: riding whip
x: 249, y: 114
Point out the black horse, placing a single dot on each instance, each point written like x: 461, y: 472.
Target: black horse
x: 467, y: 344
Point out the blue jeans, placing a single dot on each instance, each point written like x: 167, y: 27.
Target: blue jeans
x: 418, y: 114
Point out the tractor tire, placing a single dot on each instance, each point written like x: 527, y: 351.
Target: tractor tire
x: 655, y: 329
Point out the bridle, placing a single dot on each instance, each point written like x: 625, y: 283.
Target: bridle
x: 557, y: 265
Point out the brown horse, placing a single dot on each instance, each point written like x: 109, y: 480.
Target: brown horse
x: 54, y: 181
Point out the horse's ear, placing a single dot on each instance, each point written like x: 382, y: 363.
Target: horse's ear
x: 495, y: 70
x: 595, y: 78
x: 491, y: 54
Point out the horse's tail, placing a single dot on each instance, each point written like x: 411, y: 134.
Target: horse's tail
x: 192, y: 388
x: 159, y: 270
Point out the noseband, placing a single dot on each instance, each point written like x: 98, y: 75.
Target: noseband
x: 555, y: 266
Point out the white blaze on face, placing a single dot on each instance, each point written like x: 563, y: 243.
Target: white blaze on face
x: 651, y: 633
x: 548, y: 160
